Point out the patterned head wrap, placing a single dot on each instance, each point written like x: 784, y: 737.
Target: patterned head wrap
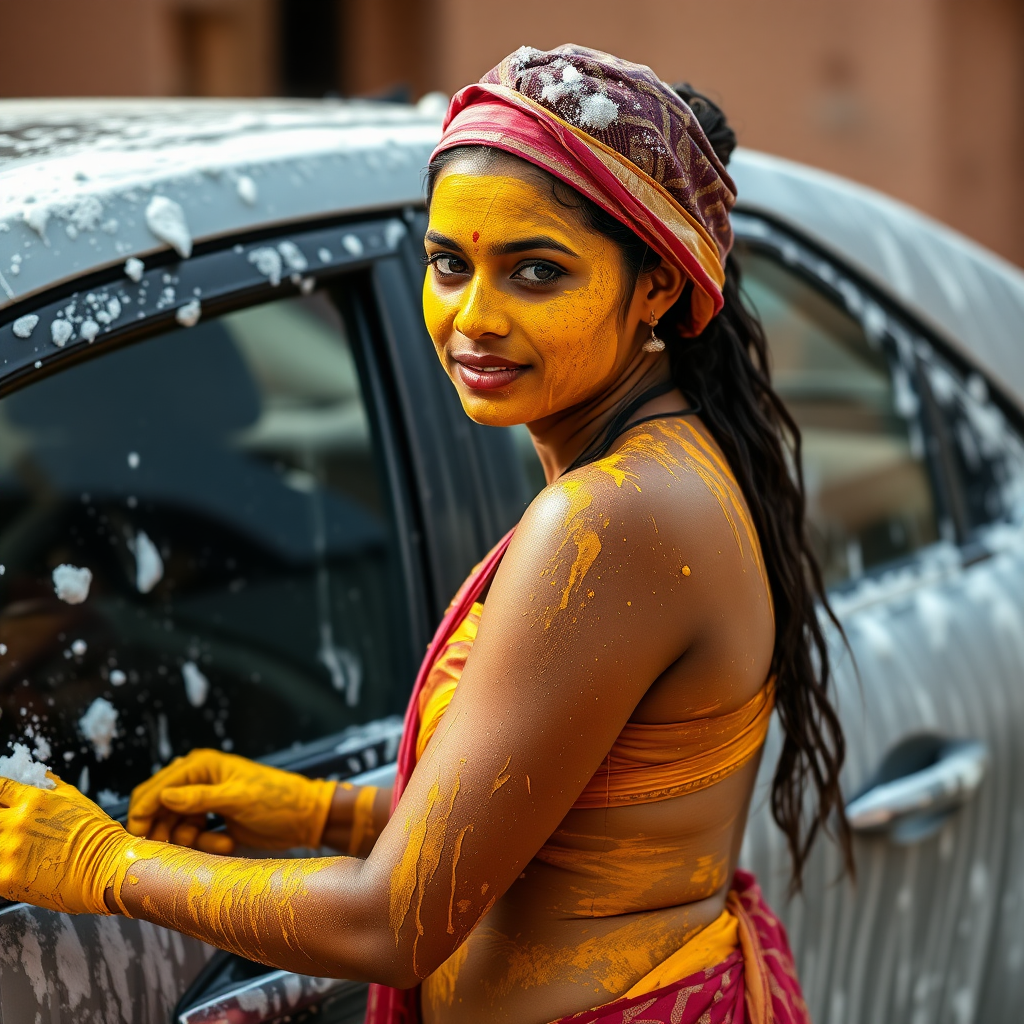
x: 620, y: 136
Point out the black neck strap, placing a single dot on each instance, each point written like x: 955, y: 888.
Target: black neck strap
x: 620, y: 423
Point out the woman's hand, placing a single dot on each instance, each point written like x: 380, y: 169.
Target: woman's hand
x: 58, y: 850
x: 263, y: 807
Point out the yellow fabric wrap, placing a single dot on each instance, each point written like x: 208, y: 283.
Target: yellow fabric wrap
x: 440, y: 685
x: 648, y: 762
x: 706, y: 949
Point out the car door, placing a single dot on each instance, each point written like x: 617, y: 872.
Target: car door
x: 929, y: 685
x: 229, y: 446
x: 984, y: 445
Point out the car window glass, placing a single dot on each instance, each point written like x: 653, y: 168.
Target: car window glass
x: 869, y: 495
x: 221, y: 485
x: 986, y: 450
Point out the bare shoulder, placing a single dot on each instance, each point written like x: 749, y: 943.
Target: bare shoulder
x: 633, y: 532
x: 667, y: 482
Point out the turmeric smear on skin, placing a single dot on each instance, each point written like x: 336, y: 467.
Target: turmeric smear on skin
x: 255, y: 907
x: 672, y: 447
x: 614, y: 961
x: 419, y: 863
x: 503, y: 777
x: 621, y: 875
x: 463, y: 905
x: 580, y: 533
x: 660, y: 442
x: 439, y: 987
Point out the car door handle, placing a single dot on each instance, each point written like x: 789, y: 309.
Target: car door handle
x: 269, y: 997
x: 929, y: 793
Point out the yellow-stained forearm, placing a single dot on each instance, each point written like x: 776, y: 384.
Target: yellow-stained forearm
x: 313, y: 916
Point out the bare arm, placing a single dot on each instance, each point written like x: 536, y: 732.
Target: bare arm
x: 589, y: 606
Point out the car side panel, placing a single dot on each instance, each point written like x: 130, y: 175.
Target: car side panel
x: 911, y: 939
x: 91, y: 970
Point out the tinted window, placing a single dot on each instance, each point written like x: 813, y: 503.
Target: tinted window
x: 868, y: 490
x: 221, y: 484
x: 986, y: 454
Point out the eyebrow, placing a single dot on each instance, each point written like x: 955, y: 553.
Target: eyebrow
x: 508, y: 248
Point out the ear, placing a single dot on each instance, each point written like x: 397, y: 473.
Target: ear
x: 664, y: 284
x: 656, y: 291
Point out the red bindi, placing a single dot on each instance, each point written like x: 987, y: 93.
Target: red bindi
x: 476, y: 236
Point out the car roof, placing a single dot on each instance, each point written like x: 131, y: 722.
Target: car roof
x: 77, y: 178
x: 965, y: 293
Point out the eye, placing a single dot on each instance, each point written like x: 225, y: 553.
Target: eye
x: 539, y: 273
x: 446, y: 264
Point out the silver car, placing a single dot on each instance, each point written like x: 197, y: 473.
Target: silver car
x: 217, y: 395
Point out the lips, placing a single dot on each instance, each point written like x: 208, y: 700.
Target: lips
x: 486, y: 372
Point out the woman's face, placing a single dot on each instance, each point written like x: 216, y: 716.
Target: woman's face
x: 524, y: 303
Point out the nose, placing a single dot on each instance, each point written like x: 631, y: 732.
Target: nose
x: 482, y: 313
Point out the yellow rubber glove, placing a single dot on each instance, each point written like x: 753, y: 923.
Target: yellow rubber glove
x: 58, y: 850
x: 263, y: 807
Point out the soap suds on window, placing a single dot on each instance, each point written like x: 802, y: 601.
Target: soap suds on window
x: 353, y: 244
x: 71, y: 584
x: 41, y: 749
x: 133, y: 460
x: 149, y: 566
x: 99, y: 726
x: 197, y: 686
x: 117, y: 677
x: 21, y: 767
x: 134, y: 267
x: 79, y: 647
x: 164, y: 747
x: 89, y: 330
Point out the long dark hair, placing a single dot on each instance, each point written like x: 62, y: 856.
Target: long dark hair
x: 725, y: 372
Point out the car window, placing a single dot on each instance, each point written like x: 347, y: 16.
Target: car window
x: 196, y: 549
x: 869, y: 494
x: 986, y: 451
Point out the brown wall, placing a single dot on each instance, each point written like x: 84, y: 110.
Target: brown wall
x: 923, y: 99
x: 137, y: 48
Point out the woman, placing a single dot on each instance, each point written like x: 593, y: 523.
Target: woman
x: 585, y: 732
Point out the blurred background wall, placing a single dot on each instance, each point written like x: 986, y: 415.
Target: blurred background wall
x: 923, y: 99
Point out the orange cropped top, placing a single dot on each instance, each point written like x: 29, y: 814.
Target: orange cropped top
x: 647, y: 762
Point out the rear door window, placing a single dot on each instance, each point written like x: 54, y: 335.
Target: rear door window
x: 870, y: 498
x: 197, y: 550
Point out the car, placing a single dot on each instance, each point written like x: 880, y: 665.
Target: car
x: 217, y: 395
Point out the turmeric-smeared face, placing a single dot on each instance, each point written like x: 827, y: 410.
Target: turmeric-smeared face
x: 523, y: 302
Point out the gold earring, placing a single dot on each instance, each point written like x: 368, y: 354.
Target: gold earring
x: 653, y: 343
